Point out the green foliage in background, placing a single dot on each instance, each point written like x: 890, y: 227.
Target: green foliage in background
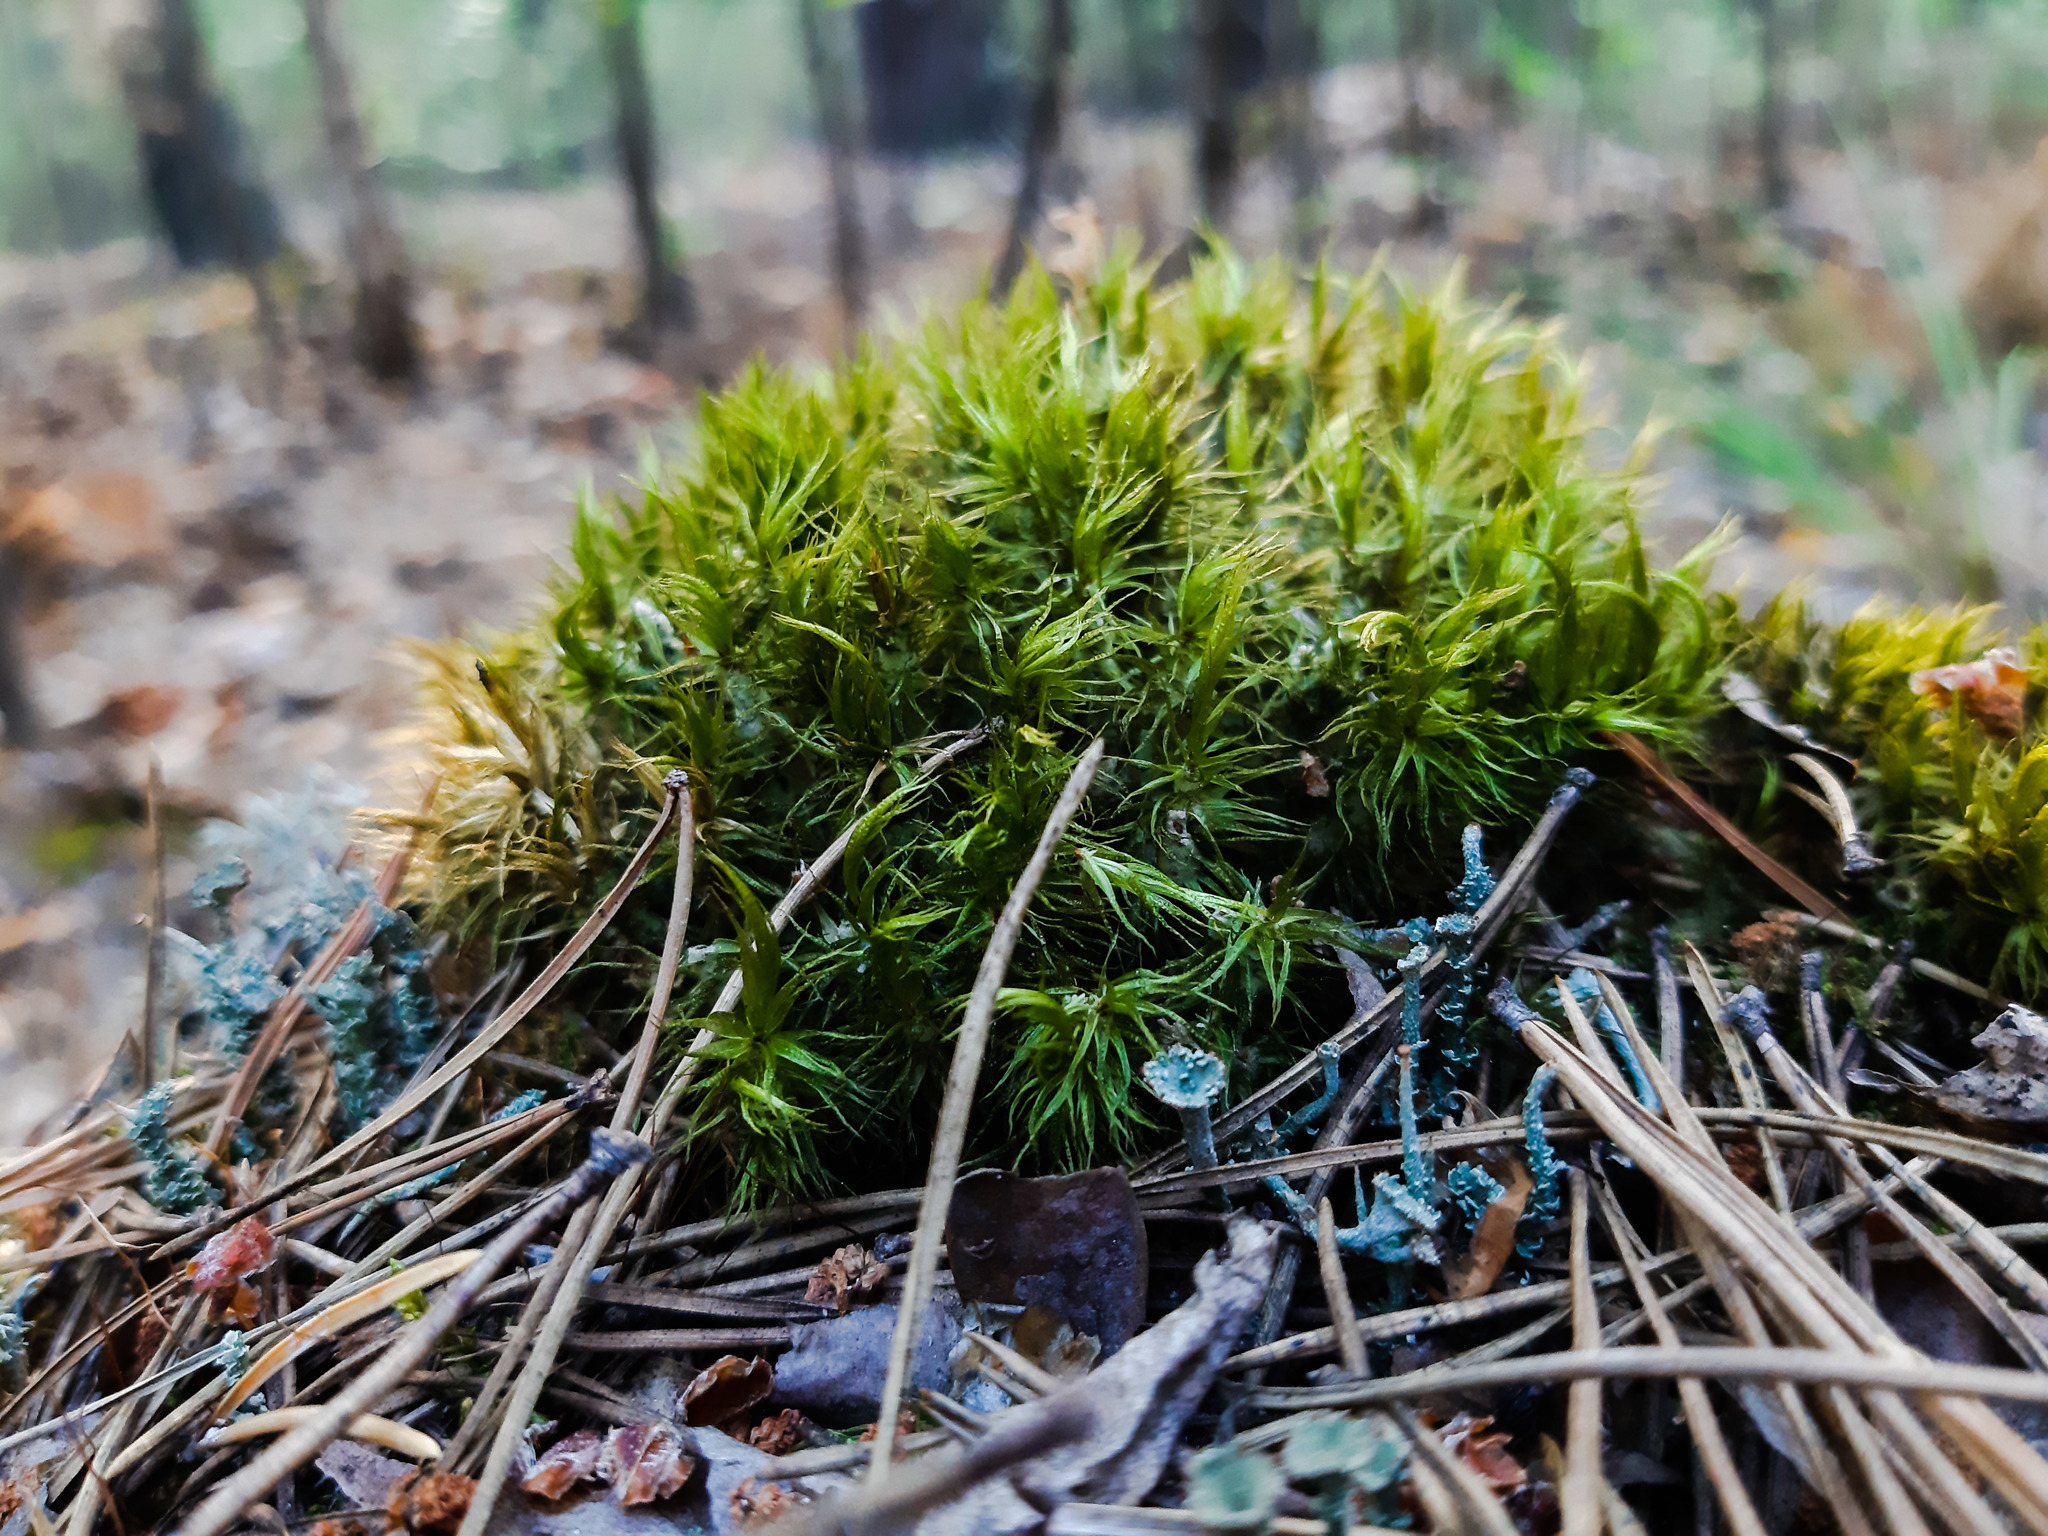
x: 1331, y: 569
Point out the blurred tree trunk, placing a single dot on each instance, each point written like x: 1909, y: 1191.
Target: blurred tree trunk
x: 825, y: 57
x: 1218, y: 155
x: 1411, y: 46
x: 1044, y: 137
x: 17, y: 708
x: 212, y: 206
x: 1770, y: 104
x: 384, y: 338
x: 667, y: 305
x: 1297, y: 27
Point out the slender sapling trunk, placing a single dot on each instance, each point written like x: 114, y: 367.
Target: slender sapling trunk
x: 667, y: 305
x: 1044, y: 139
x: 839, y: 131
x: 384, y: 338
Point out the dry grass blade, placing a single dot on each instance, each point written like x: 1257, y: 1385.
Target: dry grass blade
x: 1700, y: 1418
x: 958, y: 1104
x: 1337, y: 1292
x: 1741, y: 1069
x: 547, y: 1318
x: 1579, y: 1495
x: 609, y: 1157
x: 1645, y: 757
x: 343, y: 1314
x: 366, y: 1427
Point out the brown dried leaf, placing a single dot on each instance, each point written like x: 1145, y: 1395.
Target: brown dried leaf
x: 1992, y: 690
x: 1314, y: 778
x: 780, y: 1435
x: 727, y: 1388
x: 232, y: 1256
x: 430, y: 1504
x: 1746, y: 1161
x: 1466, y: 1438
x: 756, y: 1504
x: 850, y: 1277
x: 1493, y: 1240
x: 644, y: 1462
x: 569, y: 1461
x: 1769, y: 952
x: 906, y: 1426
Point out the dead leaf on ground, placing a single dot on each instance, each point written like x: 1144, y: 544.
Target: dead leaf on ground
x: 430, y: 1504
x: 1493, y: 1239
x: 756, y: 1504
x: 571, y: 1460
x: 1769, y: 952
x: 644, y: 1462
x: 1314, y: 778
x: 1073, y: 1245
x: 906, y: 1426
x: 1992, y: 690
x: 222, y: 1269
x: 1746, y: 1161
x: 1486, y: 1454
x: 2013, y: 1086
x: 727, y: 1388
x: 781, y: 1434
x: 850, y: 1277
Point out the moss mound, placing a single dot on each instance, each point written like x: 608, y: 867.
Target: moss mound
x: 1330, y: 566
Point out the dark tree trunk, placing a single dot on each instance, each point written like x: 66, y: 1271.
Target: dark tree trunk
x: 839, y: 129
x: 384, y: 338
x: 1044, y: 138
x: 210, y: 204
x: 667, y: 305
x: 17, y: 709
x: 1770, y: 105
x: 1411, y: 44
x: 1218, y: 157
x: 1297, y: 26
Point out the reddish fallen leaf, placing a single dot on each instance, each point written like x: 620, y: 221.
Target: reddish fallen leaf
x: 430, y: 1503
x: 760, y: 1504
x: 850, y: 1276
x: 727, y: 1388
x: 780, y: 1435
x: 571, y: 1460
x: 336, y: 1528
x: 1466, y: 1438
x: 906, y: 1426
x: 222, y: 1269
x: 1746, y: 1161
x: 1992, y: 690
x: 1493, y: 1239
x: 644, y: 1462
x: 1770, y: 951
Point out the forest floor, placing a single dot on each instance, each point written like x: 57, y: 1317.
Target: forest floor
x: 225, y: 559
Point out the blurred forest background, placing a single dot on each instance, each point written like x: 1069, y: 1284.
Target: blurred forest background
x: 315, y: 314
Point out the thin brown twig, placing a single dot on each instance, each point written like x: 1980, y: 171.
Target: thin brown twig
x: 958, y: 1104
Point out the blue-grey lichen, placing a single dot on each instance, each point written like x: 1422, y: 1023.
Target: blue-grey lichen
x: 173, y: 1183
x: 279, y: 889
